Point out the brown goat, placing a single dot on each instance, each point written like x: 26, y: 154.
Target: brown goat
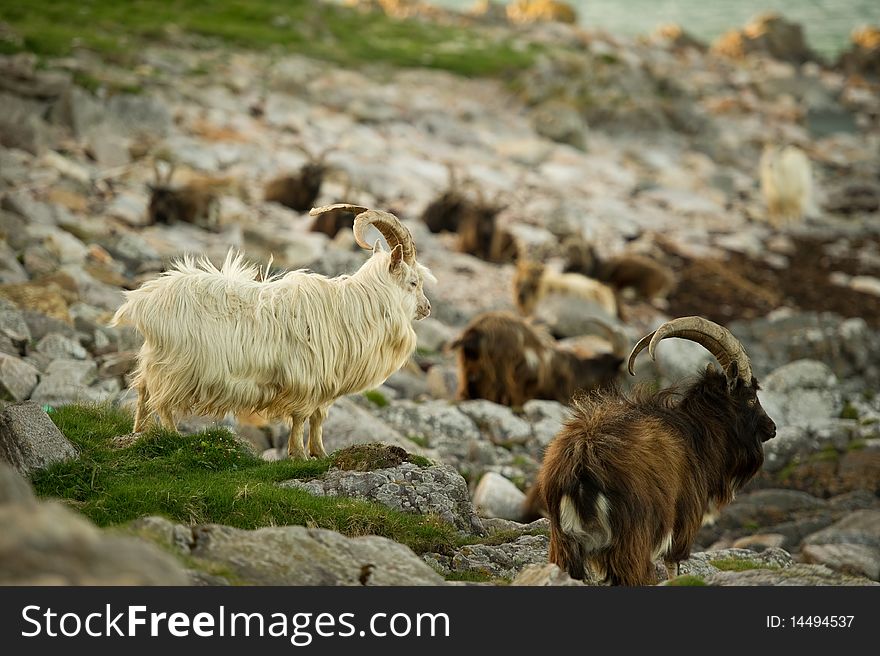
x: 630, y: 478
x: 444, y: 213
x: 505, y: 359
x: 300, y: 190
x: 192, y: 203
x: 645, y: 277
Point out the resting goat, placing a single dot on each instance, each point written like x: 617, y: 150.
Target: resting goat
x: 195, y: 203
x: 219, y: 341
x: 646, y: 278
x: 786, y: 184
x: 533, y: 281
x: 505, y: 359
x: 299, y: 191
x: 630, y: 478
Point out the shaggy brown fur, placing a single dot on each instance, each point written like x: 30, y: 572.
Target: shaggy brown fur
x: 189, y: 204
x: 298, y: 191
x: 444, y: 213
x: 505, y: 359
x: 480, y: 234
x: 631, y: 477
x: 648, y: 279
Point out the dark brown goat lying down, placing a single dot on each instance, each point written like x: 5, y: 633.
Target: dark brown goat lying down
x: 631, y: 477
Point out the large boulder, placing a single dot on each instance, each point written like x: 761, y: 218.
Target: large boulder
x: 408, y: 487
x: 291, y: 555
x: 29, y: 441
x: 45, y: 543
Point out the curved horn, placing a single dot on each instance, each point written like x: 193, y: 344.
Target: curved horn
x: 389, y: 225
x: 716, y: 339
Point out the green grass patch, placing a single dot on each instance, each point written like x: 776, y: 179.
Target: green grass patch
x: 687, y: 580
x: 309, y: 27
x: 376, y: 397
x: 209, y: 477
x: 419, y: 440
x: 477, y: 577
x: 849, y: 411
x: 739, y: 565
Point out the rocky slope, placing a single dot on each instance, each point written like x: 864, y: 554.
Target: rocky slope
x: 647, y: 146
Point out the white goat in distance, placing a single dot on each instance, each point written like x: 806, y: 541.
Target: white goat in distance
x: 219, y: 341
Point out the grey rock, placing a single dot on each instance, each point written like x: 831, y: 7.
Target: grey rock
x: 67, y: 381
x: 560, y: 121
x: 855, y: 559
x: 17, y: 378
x: 434, y: 421
x: 138, y: 114
x: 544, y: 575
x: 13, y: 487
x: 347, y: 423
x: 848, y: 346
x: 48, y: 544
x: 701, y: 563
x: 502, y: 560
x: 860, y: 527
x: 29, y: 441
x: 496, y: 496
x: 433, y: 335
x: 496, y: 421
x: 58, y: 347
x: 10, y: 269
x: 295, y: 555
x: 796, y: 575
x: 13, y: 328
x: 547, y: 418
x: 41, y: 325
x: 801, y: 393
x: 437, y: 490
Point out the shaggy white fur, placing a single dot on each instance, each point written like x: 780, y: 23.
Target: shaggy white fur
x: 232, y: 340
x: 786, y: 184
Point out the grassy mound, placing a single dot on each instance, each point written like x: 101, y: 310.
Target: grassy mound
x: 317, y: 29
x: 209, y: 477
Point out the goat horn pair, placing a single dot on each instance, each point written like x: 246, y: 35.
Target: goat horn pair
x: 389, y: 225
x: 716, y: 339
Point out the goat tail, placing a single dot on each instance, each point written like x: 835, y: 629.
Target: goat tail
x: 580, y: 516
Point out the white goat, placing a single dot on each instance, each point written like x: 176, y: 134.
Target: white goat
x: 218, y: 341
x: 786, y: 184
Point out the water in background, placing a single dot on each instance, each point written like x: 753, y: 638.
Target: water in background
x: 827, y: 23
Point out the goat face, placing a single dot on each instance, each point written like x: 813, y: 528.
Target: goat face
x: 411, y: 280
x: 527, y: 283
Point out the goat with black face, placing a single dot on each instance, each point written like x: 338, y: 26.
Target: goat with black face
x: 631, y: 477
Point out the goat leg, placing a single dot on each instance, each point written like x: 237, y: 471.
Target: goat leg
x: 316, y: 432
x: 295, y: 448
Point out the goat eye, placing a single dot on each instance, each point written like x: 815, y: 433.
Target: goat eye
x: 413, y: 284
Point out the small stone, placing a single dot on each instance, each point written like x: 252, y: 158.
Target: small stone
x: 496, y: 496
x: 17, y: 378
x: 544, y: 575
x: 57, y: 347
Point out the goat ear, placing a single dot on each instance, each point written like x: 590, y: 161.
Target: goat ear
x: 732, y: 375
x: 377, y: 247
x: 396, y: 258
